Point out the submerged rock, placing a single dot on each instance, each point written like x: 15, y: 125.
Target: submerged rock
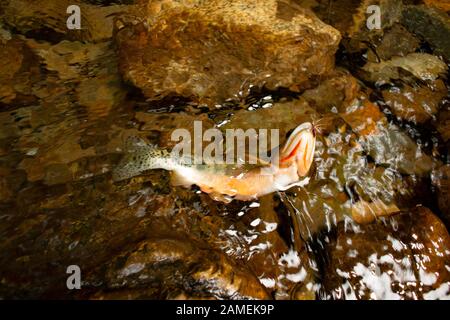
x: 423, y: 66
x: 216, y: 50
x: 443, y: 5
x: 364, y: 32
x: 386, y: 143
x: 402, y: 257
x: 390, y: 11
x: 338, y: 13
x: 366, y: 212
x: 19, y: 72
x: 393, y: 147
x: 47, y: 20
x: 416, y: 104
x: 443, y: 123
x: 172, y: 267
x: 282, y: 116
x: 397, y: 41
x: 441, y: 180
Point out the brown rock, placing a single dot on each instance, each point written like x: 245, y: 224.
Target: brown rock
x: 416, y: 104
x: 443, y: 123
x: 396, y: 41
x: 440, y: 4
x: 359, y: 33
x: 178, y: 266
x: 403, y: 257
x: 390, y: 11
x: 423, y: 66
x: 5, y: 192
x: 339, y: 13
x: 333, y: 94
x: 393, y: 147
x: 363, y: 117
x: 19, y: 71
x: 165, y: 125
x: 283, y: 116
x: 385, y: 143
x: 366, y: 212
x: 215, y: 50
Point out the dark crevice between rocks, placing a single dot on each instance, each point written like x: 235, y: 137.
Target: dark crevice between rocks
x: 45, y: 34
x: 285, y: 226
x: 169, y: 104
x: 41, y: 34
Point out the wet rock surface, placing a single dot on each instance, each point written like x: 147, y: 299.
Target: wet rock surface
x: 397, y: 41
x: 441, y: 180
x: 212, y: 51
x: 47, y: 19
x: 417, y: 104
x: 431, y: 24
x: 359, y: 229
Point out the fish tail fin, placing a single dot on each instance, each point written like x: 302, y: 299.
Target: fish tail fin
x: 140, y: 156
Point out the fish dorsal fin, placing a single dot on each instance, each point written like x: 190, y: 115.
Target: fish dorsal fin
x: 139, y: 146
x: 135, y: 144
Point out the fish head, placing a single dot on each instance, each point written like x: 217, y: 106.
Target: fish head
x: 299, y: 148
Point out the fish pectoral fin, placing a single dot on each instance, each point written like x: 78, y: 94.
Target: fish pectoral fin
x: 179, y: 180
x: 206, y: 189
x: 216, y: 196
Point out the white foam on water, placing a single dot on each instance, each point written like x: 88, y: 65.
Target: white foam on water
x: 397, y: 245
x: 297, y: 277
x: 441, y: 293
x: 270, y: 227
x: 379, y: 284
x: 426, y: 278
x: 267, y: 282
x: 255, y: 222
x: 291, y: 259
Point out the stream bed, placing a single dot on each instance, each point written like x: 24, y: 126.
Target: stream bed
x: 372, y: 223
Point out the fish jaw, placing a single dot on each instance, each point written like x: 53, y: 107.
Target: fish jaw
x: 299, y: 149
x: 305, y: 154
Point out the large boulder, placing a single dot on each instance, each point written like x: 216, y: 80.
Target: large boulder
x: 212, y: 51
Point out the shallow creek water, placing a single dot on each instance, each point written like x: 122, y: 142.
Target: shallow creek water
x: 370, y: 224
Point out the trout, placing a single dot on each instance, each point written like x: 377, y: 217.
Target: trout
x: 224, y: 182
